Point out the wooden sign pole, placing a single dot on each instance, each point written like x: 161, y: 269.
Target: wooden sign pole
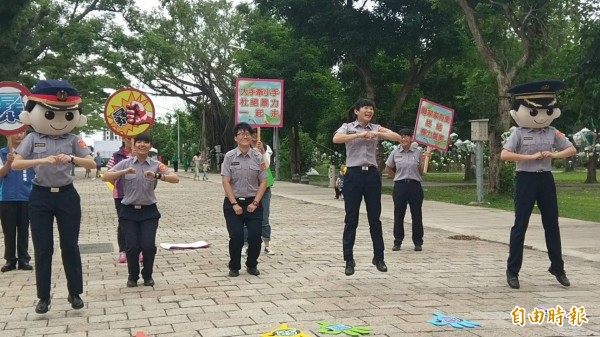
x: 426, y: 162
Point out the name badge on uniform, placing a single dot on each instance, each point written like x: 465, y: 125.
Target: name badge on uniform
x: 235, y: 163
x: 528, y: 138
x: 39, y: 145
x: 351, y: 132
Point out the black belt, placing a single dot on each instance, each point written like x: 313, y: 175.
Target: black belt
x: 363, y: 168
x: 538, y: 171
x: 407, y: 181
x: 52, y: 189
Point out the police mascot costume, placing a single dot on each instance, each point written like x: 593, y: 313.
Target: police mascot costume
x: 532, y: 146
x: 53, y: 110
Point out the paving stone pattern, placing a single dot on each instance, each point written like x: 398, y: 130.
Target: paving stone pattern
x: 301, y: 284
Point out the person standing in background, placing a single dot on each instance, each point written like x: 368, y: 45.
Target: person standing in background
x: 244, y: 179
x: 175, y: 163
x: 339, y: 183
x: 362, y: 179
x: 186, y: 162
x: 99, y: 162
x: 124, y: 152
x: 266, y: 200
x: 405, y: 164
x: 15, y: 187
x: 197, y: 161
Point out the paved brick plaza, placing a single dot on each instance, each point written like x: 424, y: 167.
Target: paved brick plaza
x: 302, y: 283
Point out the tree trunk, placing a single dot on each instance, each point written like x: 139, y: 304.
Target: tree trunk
x: 295, y: 150
x: 499, y: 123
x: 469, y: 172
x: 416, y: 75
x: 367, y: 76
x: 592, y: 166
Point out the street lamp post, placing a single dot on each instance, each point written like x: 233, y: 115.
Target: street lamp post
x: 479, y: 134
x: 178, y: 141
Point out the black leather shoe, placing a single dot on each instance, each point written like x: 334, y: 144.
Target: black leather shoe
x: 380, y: 265
x: 8, y: 267
x: 76, y: 301
x: 253, y: 271
x: 25, y: 266
x: 418, y: 248
x: 561, y: 278
x: 350, y: 267
x: 396, y: 248
x: 131, y: 283
x: 512, y: 280
x: 149, y: 282
x: 43, y: 306
x: 234, y: 273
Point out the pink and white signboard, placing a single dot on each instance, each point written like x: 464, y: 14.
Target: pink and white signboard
x: 259, y: 102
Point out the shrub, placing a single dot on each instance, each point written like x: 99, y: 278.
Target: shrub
x: 507, y: 178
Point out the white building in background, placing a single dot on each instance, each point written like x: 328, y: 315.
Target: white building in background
x: 110, y: 135
x: 109, y: 144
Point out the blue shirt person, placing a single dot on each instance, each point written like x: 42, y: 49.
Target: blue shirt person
x: 15, y: 187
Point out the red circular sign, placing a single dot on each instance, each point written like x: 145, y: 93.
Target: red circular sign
x: 129, y: 112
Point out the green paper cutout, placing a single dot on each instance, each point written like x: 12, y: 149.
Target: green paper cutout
x: 336, y: 329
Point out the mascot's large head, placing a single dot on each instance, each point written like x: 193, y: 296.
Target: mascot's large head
x: 53, y: 108
x: 534, y: 104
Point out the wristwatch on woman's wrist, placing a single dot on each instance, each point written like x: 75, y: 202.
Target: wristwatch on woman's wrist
x: 72, y: 159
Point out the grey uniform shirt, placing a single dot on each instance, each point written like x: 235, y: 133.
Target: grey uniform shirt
x: 531, y: 141
x: 137, y: 189
x: 246, y: 171
x: 406, y: 163
x: 361, y: 151
x: 37, y: 146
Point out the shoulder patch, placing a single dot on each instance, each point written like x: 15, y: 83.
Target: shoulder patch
x: 82, y: 144
x: 263, y: 166
x: 162, y: 168
x: 560, y: 134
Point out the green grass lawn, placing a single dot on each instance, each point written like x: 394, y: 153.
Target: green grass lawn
x: 576, y: 200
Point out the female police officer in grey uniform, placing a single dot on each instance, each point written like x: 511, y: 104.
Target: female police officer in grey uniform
x: 362, y: 178
x: 53, y: 110
x: 405, y: 164
x: 139, y: 214
x: 245, y: 182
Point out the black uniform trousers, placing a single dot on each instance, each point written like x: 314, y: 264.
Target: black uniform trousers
x: 359, y: 183
x: 139, y: 225
x: 408, y: 192
x: 120, y: 232
x: 532, y: 187
x: 65, y: 205
x: 15, y: 226
x: 235, y: 227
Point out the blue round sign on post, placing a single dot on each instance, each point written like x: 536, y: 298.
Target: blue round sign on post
x: 11, y: 106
